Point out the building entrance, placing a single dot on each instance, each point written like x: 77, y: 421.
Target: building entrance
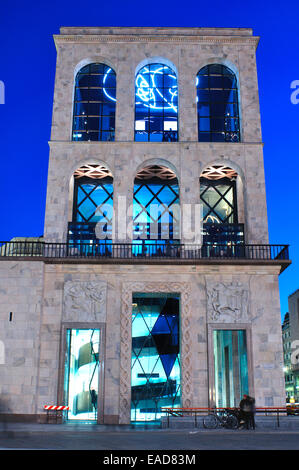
x: 155, y: 375
x: 81, y: 384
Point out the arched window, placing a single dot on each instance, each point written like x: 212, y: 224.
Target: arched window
x: 92, y: 206
x: 217, y: 104
x: 94, y: 103
x: 156, y: 104
x: 156, y: 216
x: 218, y: 194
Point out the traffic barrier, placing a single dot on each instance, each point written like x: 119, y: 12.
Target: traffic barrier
x: 57, y: 409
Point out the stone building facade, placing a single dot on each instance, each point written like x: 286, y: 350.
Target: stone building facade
x: 46, y: 293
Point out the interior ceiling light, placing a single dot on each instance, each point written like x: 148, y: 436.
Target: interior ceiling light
x: 92, y: 171
x: 156, y: 171
x: 216, y: 172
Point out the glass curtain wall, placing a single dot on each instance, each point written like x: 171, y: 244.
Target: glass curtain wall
x: 81, y: 383
x: 231, y: 367
x: 94, y: 104
x: 156, y: 104
x: 155, y: 374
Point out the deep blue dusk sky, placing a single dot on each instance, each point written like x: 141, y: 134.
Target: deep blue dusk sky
x: 27, y: 68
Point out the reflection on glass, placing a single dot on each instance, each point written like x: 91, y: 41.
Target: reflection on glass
x: 155, y: 375
x: 217, y: 104
x: 94, y: 103
x: 92, y: 214
x: 156, y: 210
x: 231, y: 367
x: 218, y: 200
x: 82, y: 373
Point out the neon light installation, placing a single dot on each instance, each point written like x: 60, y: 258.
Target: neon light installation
x: 156, y: 104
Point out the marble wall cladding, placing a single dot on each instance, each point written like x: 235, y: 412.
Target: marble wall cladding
x: 21, y: 294
x: 36, y: 294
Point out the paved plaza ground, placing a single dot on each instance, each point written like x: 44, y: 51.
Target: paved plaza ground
x: 103, y: 438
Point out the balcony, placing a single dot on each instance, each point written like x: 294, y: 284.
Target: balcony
x: 140, y: 251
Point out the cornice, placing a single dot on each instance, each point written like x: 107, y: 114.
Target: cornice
x: 140, y: 38
x: 193, y: 143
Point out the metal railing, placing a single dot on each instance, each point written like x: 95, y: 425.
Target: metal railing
x: 198, y: 412
x: 134, y: 251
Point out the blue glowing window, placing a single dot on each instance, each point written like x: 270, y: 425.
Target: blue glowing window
x: 155, y: 367
x: 156, y: 202
x: 94, y: 104
x: 217, y: 104
x: 156, y: 104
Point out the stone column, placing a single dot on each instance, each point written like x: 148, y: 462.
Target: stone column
x: 187, y: 102
x: 124, y: 118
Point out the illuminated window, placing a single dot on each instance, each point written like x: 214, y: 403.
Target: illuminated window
x: 156, y: 104
x: 217, y: 104
x: 231, y: 367
x: 156, y: 209
x: 81, y: 384
x: 94, y: 104
x: 92, y: 206
x: 218, y: 195
x: 155, y: 374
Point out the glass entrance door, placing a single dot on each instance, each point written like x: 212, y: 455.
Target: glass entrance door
x: 155, y: 374
x: 231, y: 367
x: 81, y: 383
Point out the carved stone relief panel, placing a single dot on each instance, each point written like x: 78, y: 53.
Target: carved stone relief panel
x: 84, y: 301
x: 228, y: 302
x: 128, y: 289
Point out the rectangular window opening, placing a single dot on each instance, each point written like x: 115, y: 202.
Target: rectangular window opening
x: 155, y: 368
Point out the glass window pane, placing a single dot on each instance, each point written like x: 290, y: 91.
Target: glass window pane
x: 99, y: 96
x: 204, y: 124
x: 215, y: 82
x: 81, y: 108
x: 155, y: 98
x: 219, y: 100
x: 231, y: 367
x: 81, y: 383
x: 155, y: 373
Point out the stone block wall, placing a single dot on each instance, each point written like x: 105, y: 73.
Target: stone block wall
x: 48, y: 298
x: 188, y: 50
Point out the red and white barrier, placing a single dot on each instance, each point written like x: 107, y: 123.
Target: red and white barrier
x: 56, y: 407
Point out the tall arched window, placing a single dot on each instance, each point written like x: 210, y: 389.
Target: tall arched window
x: 156, y: 210
x: 218, y: 195
x: 217, y: 104
x: 94, y: 103
x: 156, y: 104
x: 92, y: 206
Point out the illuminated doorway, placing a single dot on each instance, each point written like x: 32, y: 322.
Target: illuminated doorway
x: 231, y: 367
x: 81, y: 382
x: 155, y: 373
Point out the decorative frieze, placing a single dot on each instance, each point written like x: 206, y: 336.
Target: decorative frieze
x: 85, y: 301
x: 228, y: 302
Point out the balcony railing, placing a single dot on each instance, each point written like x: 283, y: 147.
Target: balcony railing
x: 106, y: 250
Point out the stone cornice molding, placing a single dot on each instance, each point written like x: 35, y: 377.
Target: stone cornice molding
x: 179, y: 39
